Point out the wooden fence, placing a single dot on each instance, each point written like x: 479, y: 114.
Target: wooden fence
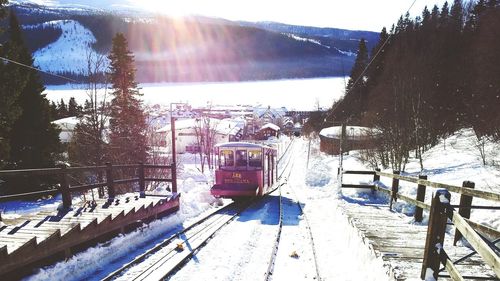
x: 63, y: 176
x: 482, y: 238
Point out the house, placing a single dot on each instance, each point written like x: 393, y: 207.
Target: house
x: 67, y: 126
x: 267, y: 131
x: 187, y: 132
x: 355, y: 138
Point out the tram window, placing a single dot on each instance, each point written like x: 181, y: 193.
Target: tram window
x: 227, y: 158
x: 241, y: 157
x: 254, y: 158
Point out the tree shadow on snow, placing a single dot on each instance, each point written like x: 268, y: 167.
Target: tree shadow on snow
x: 267, y: 211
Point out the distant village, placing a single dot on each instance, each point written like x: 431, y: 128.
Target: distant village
x: 224, y: 123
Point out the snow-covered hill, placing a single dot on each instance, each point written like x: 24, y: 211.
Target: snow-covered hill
x: 69, y: 53
x: 175, y: 49
x: 108, y: 5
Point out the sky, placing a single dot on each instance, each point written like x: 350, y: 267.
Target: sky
x: 348, y: 14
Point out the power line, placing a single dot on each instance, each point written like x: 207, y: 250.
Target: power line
x: 37, y: 69
x: 368, y: 65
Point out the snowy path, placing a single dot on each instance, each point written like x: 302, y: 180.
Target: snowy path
x: 340, y: 251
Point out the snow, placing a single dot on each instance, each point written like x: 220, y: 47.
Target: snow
x: 69, y: 52
x: 296, y: 94
x: 443, y: 199
x: 429, y: 274
x: 351, y: 131
x: 298, y: 38
x: 242, y: 249
x: 270, y: 126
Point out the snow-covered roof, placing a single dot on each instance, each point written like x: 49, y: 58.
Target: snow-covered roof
x: 240, y: 144
x: 351, y: 132
x: 270, y: 126
x: 67, y: 124
x: 224, y: 126
x: 271, y: 112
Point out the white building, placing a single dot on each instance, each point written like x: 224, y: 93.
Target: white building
x: 67, y: 126
x: 185, y: 132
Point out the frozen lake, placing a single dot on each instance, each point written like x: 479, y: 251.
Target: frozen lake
x: 294, y: 94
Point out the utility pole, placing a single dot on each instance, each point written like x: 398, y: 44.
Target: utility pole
x: 178, y: 106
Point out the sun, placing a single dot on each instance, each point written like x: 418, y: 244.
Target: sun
x: 172, y: 8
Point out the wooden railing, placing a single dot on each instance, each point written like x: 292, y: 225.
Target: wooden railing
x: 64, y: 188
x: 482, y: 238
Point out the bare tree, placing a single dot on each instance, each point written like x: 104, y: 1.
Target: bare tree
x: 206, y: 131
x: 89, y: 140
x: 158, y: 155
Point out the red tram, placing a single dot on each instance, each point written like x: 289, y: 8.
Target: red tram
x: 244, y: 170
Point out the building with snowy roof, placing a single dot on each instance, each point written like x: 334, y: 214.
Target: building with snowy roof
x: 267, y: 131
x: 187, y: 132
x: 67, y: 126
x: 356, y: 138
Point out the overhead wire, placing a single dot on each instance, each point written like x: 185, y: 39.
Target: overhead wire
x: 366, y: 67
x: 37, y: 69
x: 339, y: 176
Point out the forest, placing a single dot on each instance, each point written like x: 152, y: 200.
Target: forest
x: 428, y: 77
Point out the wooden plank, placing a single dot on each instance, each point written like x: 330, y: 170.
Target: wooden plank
x: 458, y: 189
x: 345, y: 185
x: 350, y: 172
x: 29, y: 244
x: 488, y: 231
x: 56, y: 235
x: 489, y: 256
x: 75, y: 234
x: 414, y: 202
x: 453, y: 271
x: 3, y: 251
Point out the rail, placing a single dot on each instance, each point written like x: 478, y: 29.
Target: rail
x: 64, y: 174
x: 481, y: 237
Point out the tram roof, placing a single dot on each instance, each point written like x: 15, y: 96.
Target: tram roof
x: 242, y: 144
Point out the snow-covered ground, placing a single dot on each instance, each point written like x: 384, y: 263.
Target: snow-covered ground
x: 452, y: 161
x: 240, y: 251
x: 294, y: 94
x: 69, y: 52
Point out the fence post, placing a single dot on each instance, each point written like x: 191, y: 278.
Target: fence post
x: 435, y: 234
x: 394, y: 189
x: 376, y: 177
x: 464, y: 209
x: 142, y: 185
x: 420, y: 197
x: 66, y: 194
x: 110, y: 182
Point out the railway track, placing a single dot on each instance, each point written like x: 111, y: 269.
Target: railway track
x: 167, y: 257
x: 286, y: 172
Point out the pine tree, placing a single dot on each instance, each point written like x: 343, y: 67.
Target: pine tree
x: 34, y: 140
x: 356, y: 86
x: 359, y: 65
x: 9, y: 91
x: 378, y: 55
x: 73, y: 108
x: 127, y: 119
x: 62, y: 110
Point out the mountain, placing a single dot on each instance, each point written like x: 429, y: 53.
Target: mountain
x: 184, y: 49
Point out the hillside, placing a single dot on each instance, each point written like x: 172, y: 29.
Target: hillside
x: 187, y: 49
